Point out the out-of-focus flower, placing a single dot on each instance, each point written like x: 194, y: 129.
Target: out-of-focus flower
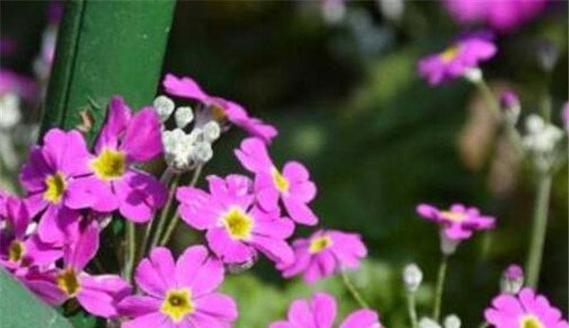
x: 452, y: 321
x: 458, y: 222
x: 541, y: 140
x: 325, y: 252
x: 236, y: 228
x: 98, y: 295
x: 112, y: 182
x: 218, y: 108
x: 333, y: 11
x: 293, y: 186
x: 17, y: 84
x: 179, y: 294
x: 412, y: 277
x: 320, y: 312
x: 428, y: 323
x: 49, y: 177
x: 510, y: 106
x: 501, y: 15
x: 527, y: 309
x: 512, y: 279
x: 460, y: 58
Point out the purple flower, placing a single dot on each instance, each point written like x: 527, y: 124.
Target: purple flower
x: 98, y: 295
x: 21, y: 249
x: 501, y: 15
x: 320, y: 312
x: 220, y: 108
x: 12, y: 82
x: 236, y: 228
x: 179, y: 294
x: 293, y: 185
x: 112, y: 182
x: 458, y: 222
x: 456, y: 60
x: 49, y: 178
x: 527, y: 309
x: 323, y: 253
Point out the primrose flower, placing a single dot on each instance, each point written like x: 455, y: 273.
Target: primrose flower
x: 236, y: 228
x: 112, y: 181
x: 323, y: 253
x: 525, y: 310
x: 458, y: 222
x: 179, y: 294
x: 320, y: 312
x: 220, y: 109
x: 21, y: 249
x: 458, y: 59
x: 292, y: 185
x: 49, y: 178
x: 98, y: 295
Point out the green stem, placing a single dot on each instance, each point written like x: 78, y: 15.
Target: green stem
x: 352, y: 289
x: 130, y: 252
x: 411, y: 309
x: 439, y: 288
x: 172, y: 225
x: 533, y: 263
x: 164, y: 216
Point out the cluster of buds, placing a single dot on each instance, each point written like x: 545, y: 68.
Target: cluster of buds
x: 541, y: 141
x: 450, y: 321
x: 187, y: 145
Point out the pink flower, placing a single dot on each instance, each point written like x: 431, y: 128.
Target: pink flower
x: 98, y: 295
x: 501, y: 15
x: 292, y: 186
x: 524, y: 310
x: 112, y: 182
x: 459, y: 222
x: 220, y: 108
x: 12, y: 82
x: 49, y: 178
x: 323, y: 253
x: 236, y: 228
x: 320, y: 312
x: 19, y: 248
x: 454, y: 61
x: 179, y: 294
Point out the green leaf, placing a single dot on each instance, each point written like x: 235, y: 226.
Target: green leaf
x: 19, y: 308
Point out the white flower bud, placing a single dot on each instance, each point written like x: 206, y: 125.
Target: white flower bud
x: 534, y: 123
x: 448, y: 246
x: 211, y: 131
x: 473, y: 75
x: 9, y: 110
x: 428, y: 323
x: 412, y: 277
x: 184, y: 115
x: 164, y: 106
x: 452, y: 321
x: 512, y: 279
x: 202, y: 152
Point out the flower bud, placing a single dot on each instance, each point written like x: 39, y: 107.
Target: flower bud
x: 510, y: 105
x: 473, y: 75
x: 448, y: 245
x: 412, y: 277
x: 428, y: 323
x: 512, y: 279
x: 547, y: 55
x: 184, y: 116
x: 211, y: 131
x: 164, y: 107
x: 452, y: 321
x: 202, y: 152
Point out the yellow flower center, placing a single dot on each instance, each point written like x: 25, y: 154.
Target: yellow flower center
x: 238, y: 224
x: 68, y: 282
x: 319, y: 244
x: 110, y: 164
x: 55, y: 187
x: 449, y: 54
x: 453, y: 216
x: 280, y: 181
x: 530, y: 321
x: 178, y: 303
x: 16, y: 251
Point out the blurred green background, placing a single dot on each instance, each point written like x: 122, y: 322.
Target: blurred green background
x: 348, y: 102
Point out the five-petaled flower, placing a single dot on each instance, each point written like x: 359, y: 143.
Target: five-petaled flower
x: 179, y: 294
x: 320, y: 312
x: 323, y: 253
x: 459, y: 221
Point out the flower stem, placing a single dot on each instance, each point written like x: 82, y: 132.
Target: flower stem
x: 439, y: 288
x: 541, y: 206
x: 172, y: 226
x: 411, y: 308
x: 165, y: 211
x: 130, y: 252
x: 352, y: 289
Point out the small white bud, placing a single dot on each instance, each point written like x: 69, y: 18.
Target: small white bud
x: 164, y: 107
x: 211, y: 131
x: 10, y: 110
x: 428, y: 323
x: 448, y: 246
x: 512, y: 279
x: 452, y: 321
x: 202, y: 152
x: 473, y: 75
x: 184, y: 115
x: 412, y: 277
x: 534, y: 123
